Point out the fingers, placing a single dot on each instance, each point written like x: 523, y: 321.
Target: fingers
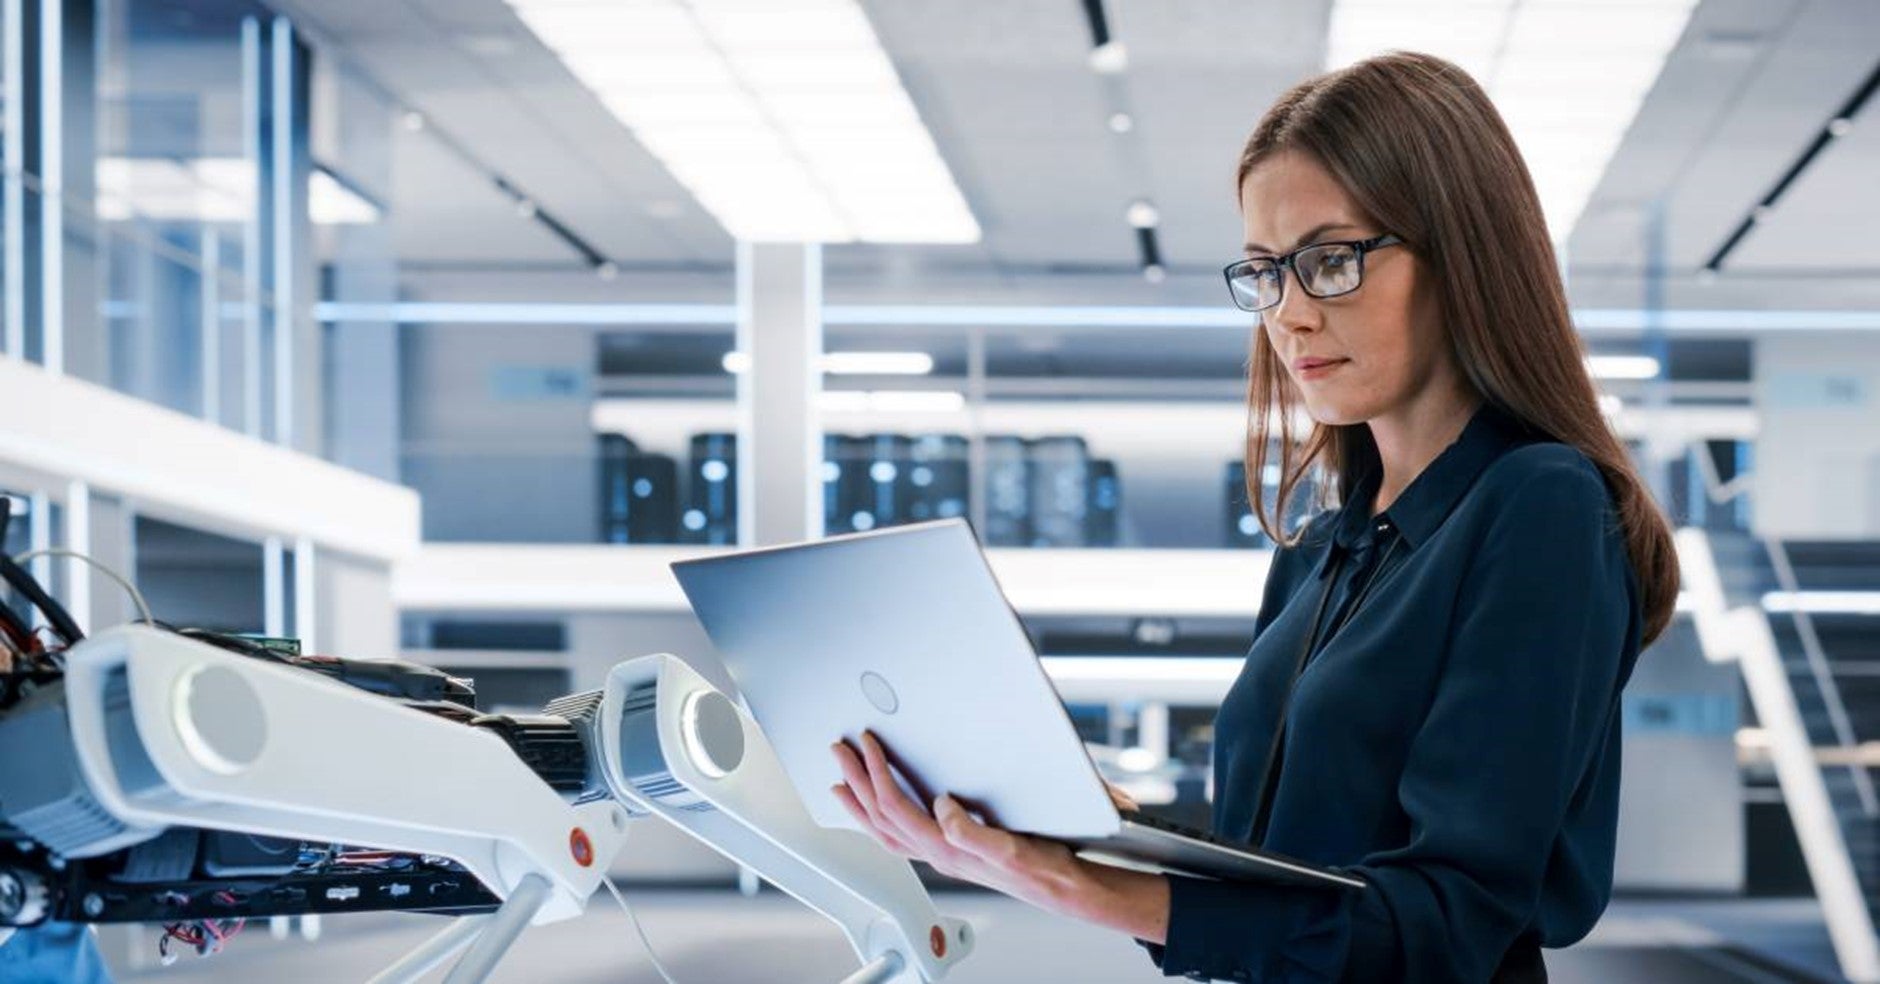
x: 909, y: 820
x: 989, y: 844
x: 860, y: 794
x: 846, y: 797
x: 855, y: 775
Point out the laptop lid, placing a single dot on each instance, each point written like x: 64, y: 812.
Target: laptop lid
x: 904, y: 632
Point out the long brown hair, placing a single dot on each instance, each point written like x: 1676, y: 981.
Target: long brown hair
x: 1419, y: 147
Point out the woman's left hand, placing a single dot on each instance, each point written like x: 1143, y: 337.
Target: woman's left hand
x: 1043, y: 872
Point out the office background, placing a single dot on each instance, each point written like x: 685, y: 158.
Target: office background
x: 438, y: 328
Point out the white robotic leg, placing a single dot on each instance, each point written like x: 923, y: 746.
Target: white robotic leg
x: 671, y: 744
x: 170, y: 732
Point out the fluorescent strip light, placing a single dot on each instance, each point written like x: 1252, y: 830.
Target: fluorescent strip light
x: 330, y: 202
x: 878, y: 363
x: 1623, y: 366
x: 852, y: 363
x: 891, y: 401
x: 1567, y: 75
x: 801, y: 94
x: 211, y: 189
x: 1823, y: 602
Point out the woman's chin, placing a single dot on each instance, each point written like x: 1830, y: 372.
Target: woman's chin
x: 1335, y: 415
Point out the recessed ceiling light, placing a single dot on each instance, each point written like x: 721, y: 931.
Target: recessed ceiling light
x: 1623, y: 366
x: 1109, y: 58
x: 852, y: 363
x: 802, y: 94
x: 1121, y: 123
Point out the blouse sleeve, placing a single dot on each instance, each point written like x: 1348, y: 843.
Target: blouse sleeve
x: 1524, y: 701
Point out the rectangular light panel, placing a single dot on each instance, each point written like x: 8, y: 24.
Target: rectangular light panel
x: 785, y: 120
x: 1567, y: 75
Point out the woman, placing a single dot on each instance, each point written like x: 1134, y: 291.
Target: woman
x: 1432, y: 698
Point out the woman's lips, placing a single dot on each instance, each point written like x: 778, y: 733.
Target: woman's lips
x: 1318, y: 368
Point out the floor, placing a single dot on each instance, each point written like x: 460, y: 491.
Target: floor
x: 717, y: 936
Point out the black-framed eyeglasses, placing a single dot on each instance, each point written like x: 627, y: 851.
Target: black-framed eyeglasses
x: 1323, y: 269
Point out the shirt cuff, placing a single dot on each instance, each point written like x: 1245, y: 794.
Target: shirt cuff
x: 1246, y: 931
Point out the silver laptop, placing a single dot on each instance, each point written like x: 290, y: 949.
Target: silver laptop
x: 904, y: 632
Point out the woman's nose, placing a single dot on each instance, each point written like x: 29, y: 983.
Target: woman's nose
x: 1296, y: 311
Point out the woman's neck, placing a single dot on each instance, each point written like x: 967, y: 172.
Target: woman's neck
x: 1411, y: 436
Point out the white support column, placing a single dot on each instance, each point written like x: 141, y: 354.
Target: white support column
x: 1152, y: 729
x: 210, y: 300
x: 306, y: 598
x: 52, y: 185
x: 273, y: 587
x: 251, y: 231
x: 78, y: 540
x: 779, y: 424
x: 282, y: 201
x: 14, y: 156
x: 41, y: 534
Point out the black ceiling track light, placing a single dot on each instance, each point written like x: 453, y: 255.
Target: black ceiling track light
x: 1107, y: 55
x: 528, y: 208
x: 1099, y: 23
x: 1144, y: 218
x: 1837, y: 126
x: 1152, y: 268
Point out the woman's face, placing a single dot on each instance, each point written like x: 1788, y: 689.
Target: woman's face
x: 1359, y: 355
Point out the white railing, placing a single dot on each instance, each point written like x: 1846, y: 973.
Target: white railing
x: 1743, y: 634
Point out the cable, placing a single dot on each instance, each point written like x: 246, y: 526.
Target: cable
x: 637, y: 929
x: 18, y: 632
x: 137, y: 597
x: 26, y: 585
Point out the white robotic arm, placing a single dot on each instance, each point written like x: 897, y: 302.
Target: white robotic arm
x: 675, y: 746
x: 171, y: 733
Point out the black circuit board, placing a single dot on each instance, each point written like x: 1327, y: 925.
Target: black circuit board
x: 79, y: 897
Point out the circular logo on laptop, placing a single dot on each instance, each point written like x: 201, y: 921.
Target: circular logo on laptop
x: 876, y: 689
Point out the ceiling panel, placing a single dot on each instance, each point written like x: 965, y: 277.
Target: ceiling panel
x: 473, y: 224
x: 1021, y: 119
x: 1741, y: 98
x: 1825, y: 222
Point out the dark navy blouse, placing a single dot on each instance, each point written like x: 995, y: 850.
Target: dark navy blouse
x: 1455, y: 744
